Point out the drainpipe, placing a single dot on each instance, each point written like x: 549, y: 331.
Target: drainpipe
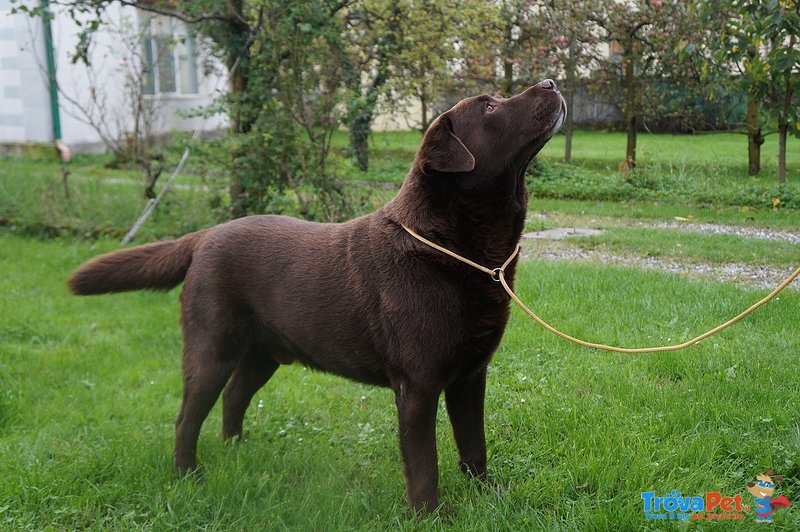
x: 62, y: 148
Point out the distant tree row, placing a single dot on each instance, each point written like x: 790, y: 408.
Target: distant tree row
x: 300, y: 70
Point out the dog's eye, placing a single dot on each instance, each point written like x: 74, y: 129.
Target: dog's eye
x: 489, y: 107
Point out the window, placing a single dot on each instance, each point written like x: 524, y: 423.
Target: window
x: 169, y: 56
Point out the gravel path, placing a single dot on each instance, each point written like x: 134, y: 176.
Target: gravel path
x: 750, y: 232
x: 752, y: 276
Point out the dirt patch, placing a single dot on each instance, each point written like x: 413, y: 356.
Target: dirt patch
x: 748, y: 232
x: 561, y: 233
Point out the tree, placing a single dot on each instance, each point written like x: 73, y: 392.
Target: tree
x: 576, y: 44
x: 376, y: 35
x: 436, y: 34
x: 643, y: 35
x: 239, y: 30
x: 525, y: 45
x: 295, y: 101
x: 759, y: 44
x: 401, y: 50
x: 736, y: 51
x: 772, y: 28
x: 423, y: 62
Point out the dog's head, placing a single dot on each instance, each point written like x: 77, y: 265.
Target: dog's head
x: 485, y: 137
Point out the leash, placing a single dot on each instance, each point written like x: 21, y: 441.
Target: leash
x: 499, y: 275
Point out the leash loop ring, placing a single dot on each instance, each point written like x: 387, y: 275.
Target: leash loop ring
x: 496, y: 273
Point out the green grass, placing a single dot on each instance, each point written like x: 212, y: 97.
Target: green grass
x: 710, y: 150
x: 686, y: 170
x: 102, y: 200
x: 655, y: 183
x: 91, y: 386
x: 680, y: 174
x: 565, y: 213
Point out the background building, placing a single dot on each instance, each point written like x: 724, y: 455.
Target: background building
x: 177, y: 78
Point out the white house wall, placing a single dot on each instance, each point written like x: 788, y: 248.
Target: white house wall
x: 25, y: 115
x: 24, y: 105
x: 73, y: 81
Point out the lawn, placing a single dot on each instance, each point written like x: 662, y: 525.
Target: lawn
x: 90, y: 387
x: 701, y: 175
x: 709, y: 150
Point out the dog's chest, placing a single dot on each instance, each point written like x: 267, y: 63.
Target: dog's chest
x: 483, y: 331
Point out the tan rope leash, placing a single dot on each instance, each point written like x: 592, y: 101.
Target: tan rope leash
x: 498, y: 274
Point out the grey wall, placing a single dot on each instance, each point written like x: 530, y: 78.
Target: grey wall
x: 594, y: 110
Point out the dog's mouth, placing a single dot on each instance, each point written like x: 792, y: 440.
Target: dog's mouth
x: 559, y: 118
x: 556, y: 121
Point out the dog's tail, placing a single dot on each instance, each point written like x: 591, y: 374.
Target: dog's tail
x: 156, y: 266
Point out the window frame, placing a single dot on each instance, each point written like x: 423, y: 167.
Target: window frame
x: 181, y: 46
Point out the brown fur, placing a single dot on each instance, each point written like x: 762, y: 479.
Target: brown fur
x: 361, y: 299
x: 156, y: 266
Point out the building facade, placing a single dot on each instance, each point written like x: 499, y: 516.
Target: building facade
x: 136, y: 59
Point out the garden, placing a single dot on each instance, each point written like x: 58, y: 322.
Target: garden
x: 633, y: 248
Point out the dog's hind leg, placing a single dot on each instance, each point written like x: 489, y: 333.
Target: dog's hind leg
x: 464, y: 400
x: 252, y: 372
x: 205, y: 371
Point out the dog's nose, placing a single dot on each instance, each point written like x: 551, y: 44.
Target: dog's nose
x: 547, y: 84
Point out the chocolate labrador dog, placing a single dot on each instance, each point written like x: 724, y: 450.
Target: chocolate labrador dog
x: 361, y: 299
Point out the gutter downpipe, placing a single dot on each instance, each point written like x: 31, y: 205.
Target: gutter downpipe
x: 62, y: 148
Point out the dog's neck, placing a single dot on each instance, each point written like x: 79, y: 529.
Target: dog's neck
x: 485, y: 225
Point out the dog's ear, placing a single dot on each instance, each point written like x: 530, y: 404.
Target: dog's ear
x: 442, y: 150
x: 751, y: 484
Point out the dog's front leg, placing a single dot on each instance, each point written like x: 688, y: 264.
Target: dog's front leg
x: 464, y: 401
x: 416, y: 409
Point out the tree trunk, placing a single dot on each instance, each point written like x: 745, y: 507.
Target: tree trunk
x: 631, y: 101
x: 508, y: 78
x: 570, y: 97
x: 64, y: 175
x: 783, y: 130
x: 359, y: 136
x: 237, y: 62
x: 423, y: 103
x: 568, y: 126
x: 362, y: 121
x: 150, y: 184
x: 754, y: 137
x: 236, y: 86
x: 152, y: 165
